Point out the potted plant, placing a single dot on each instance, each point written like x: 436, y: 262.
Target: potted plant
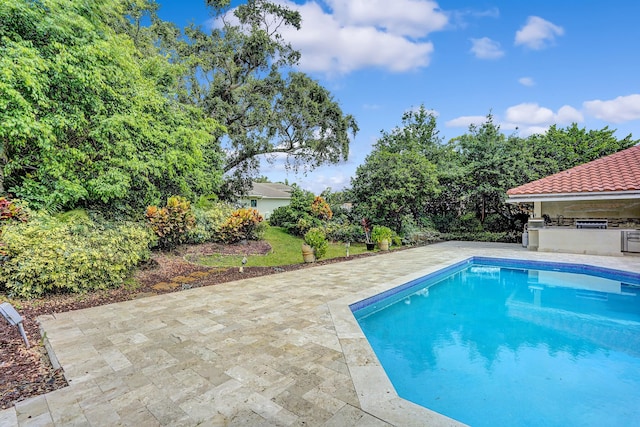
x: 366, y: 227
x: 382, y: 236
x: 315, y: 244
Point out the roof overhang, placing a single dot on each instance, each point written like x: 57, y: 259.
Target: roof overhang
x: 569, y: 197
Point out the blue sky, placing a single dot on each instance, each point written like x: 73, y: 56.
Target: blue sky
x: 530, y: 63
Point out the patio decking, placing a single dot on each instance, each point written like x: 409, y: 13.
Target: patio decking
x: 277, y: 350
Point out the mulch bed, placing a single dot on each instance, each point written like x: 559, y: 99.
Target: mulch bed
x: 28, y: 372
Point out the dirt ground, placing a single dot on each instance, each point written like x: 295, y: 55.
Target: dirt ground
x: 28, y: 372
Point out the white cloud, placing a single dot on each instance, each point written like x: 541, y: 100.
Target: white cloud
x: 412, y: 18
x: 465, y: 121
x: 320, y: 182
x: 526, y: 81
x: 530, y: 118
x: 537, y: 33
x: 485, y: 48
x: 618, y: 110
x: 567, y: 115
x: 341, y: 36
x: 527, y: 114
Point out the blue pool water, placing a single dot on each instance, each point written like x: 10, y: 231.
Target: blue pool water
x: 493, y: 342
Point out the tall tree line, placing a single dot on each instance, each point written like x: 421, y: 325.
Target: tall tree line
x: 413, y: 178
x: 105, y: 106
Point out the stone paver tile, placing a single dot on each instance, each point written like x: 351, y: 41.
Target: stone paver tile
x: 307, y: 412
x: 143, y: 395
x: 8, y: 417
x: 167, y: 412
x: 137, y: 415
x: 42, y: 420
x: 115, y: 359
x: 33, y: 412
x: 324, y: 400
x: 211, y: 373
x: 351, y: 416
x: 341, y: 387
x: 101, y: 414
x: 263, y: 406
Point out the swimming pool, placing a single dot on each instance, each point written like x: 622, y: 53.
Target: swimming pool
x: 504, y: 342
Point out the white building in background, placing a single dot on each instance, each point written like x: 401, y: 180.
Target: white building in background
x: 266, y: 197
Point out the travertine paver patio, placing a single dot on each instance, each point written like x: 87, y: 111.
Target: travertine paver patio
x: 276, y: 350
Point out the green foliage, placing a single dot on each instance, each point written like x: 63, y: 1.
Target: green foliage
x: 344, y: 232
x: 267, y: 109
x: 89, y: 120
x: 559, y: 149
x: 297, y: 217
x: 484, y: 236
x: 48, y: 256
x: 285, y: 250
x: 304, y: 224
x: 411, y: 179
x: 209, y: 220
x: 421, y: 237
x: 380, y: 233
x: 317, y: 239
x: 397, y: 178
x: 172, y: 222
x: 321, y: 209
x: 12, y: 210
x: 243, y: 224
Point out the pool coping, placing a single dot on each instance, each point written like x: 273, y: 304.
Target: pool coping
x: 374, y: 388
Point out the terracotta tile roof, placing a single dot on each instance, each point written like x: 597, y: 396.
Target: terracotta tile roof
x: 617, y: 172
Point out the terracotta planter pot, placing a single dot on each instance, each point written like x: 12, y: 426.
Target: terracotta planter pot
x: 307, y: 253
x: 383, y: 245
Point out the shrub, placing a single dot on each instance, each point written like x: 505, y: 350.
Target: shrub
x: 321, y: 209
x: 209, y: 219
x: 282, y: 216
x: 172, y: 222
x: 484, y: 236
x: 380, y: 233
x: 243, y: 224
x: 304, y: 224
x: 344, y: 232
x: 421, y: 237
x: 47, y: 256
x: 10, y: 210
x: 317, y: 239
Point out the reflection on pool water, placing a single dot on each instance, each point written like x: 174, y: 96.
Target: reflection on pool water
x: 497, y: 342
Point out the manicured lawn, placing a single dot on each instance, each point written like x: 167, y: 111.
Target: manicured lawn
x: 285, y: 250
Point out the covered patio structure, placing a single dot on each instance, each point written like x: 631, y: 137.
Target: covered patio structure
x: 593, y: 208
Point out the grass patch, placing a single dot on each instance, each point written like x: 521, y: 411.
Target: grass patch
x: 285, y: 250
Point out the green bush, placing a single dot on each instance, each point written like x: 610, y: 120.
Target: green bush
x: 484, y: 236
x: 209, y: 220
x: 243, y: 224
x: 317, y: 239
x: 282, y: 216
x: 172, y: 222
x: 380, y: 233
x: 48, y: 256
x: 10, y: 211
x: 304, y: 224
x: 421, y: 237
x: 344, y: 232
